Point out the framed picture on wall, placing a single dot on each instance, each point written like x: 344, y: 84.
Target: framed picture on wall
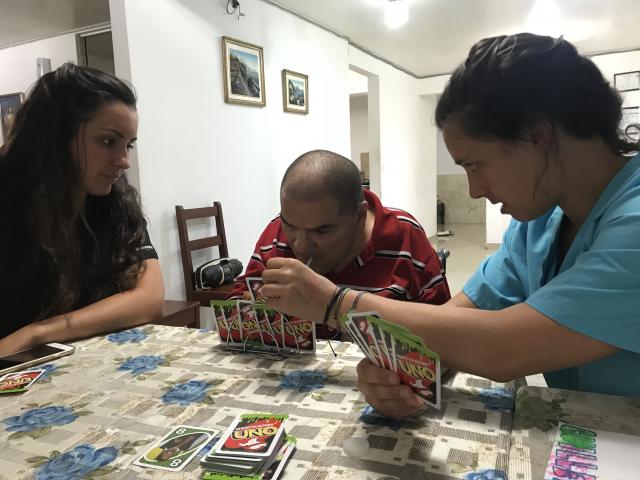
x: 627, y: 81
x: 630, y: 123
x: 9, y: 105
x: 295, y: 92
x: 243, y: 66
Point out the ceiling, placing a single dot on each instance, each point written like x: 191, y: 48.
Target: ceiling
x: 25, y: 20
x: 439, y: 32
x: 436, y: 38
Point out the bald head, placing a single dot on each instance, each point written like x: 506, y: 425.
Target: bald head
x: 321, y: 173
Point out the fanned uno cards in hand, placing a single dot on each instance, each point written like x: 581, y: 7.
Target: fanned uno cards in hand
x: 177, y: 448
x: 250, y: 447
x: 395, y: 348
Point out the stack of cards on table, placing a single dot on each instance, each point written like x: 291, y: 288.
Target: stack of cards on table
x: 254, y: 446
x: 252, y: 324
x: 176, y: 448
x: 18, y: 382
x: 395, y: 348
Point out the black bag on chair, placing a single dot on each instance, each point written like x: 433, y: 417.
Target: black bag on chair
x: 216, y: 272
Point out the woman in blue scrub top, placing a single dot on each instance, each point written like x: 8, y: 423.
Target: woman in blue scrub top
x: 535, y: 126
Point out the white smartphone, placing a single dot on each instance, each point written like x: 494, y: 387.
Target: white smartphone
x: 34, y: 356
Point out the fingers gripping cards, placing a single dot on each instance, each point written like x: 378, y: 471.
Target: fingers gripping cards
x: 395, y: 348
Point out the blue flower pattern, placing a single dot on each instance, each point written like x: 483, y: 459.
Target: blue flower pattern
x: 486, y: 474
x: 40, y: 418
x: 497, y: 398
x: 370, y: 416
x: 49, y: 368
x: 77, y: 463
x: 186, y: 393
x: 142, y: 364
x: 134, y: 335
x: 304, y: 380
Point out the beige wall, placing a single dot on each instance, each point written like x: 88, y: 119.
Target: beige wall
x: 453, y: 190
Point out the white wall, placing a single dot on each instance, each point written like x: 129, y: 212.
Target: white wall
x: 446, y: 165
x: 194, y: 148
x: 614, y: 63
x: 407, y: 167
x: 495, y: 223
x: 18, y: 64
x: 359, y: 121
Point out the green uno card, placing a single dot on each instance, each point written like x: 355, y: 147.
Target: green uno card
x: 176, y: 448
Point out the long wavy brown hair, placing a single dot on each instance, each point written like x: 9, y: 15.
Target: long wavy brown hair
x: 39, y: 175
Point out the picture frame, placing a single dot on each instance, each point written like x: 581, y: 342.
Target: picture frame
x: 9, y: 106
x: 295, y: 92
x: 243, y: 67
x: 630, y: 118
x: 627, y: 81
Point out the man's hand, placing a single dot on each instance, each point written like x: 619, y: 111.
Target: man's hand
x: 293, y: 288
x: 383, y: 390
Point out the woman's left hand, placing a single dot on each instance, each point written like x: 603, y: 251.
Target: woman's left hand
x: 293, y: 288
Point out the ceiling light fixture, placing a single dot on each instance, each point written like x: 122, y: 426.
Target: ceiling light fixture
x: 396, y: 13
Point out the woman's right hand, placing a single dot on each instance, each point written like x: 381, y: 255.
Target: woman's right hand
x: 383, y: 390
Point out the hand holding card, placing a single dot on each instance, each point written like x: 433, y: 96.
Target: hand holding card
x: 395, y: 348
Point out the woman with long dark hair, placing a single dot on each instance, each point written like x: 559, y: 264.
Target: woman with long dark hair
x: 75, y: 253
x: 535, y: 126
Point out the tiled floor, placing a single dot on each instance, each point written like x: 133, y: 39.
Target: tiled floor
x: 467, y: 247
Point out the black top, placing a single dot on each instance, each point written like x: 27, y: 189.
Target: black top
x: 28, y: 281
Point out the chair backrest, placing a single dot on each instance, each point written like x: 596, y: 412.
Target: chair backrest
x: 443, y: 253
x: 187, y: 246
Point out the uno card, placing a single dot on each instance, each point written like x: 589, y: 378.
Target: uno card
x: 365, y: 329
x: 298, y: 334
x: 252, y: 435
x: 352, y: 331
x: 275, y: 469
x: 19, y: 382
x: 251, y: 328
x: 176, y: 448
x: 227, y: 323
x: 419, y: 368
x: 384, y: 338
x: 254, y: 284
x: 266, y: 318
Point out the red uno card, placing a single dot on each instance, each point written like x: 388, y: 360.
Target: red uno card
x: 19, y: 382
x: 252, y: 435
x: 254, y: 284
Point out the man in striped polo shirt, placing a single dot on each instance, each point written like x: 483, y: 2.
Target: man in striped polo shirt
x: 345, y: 234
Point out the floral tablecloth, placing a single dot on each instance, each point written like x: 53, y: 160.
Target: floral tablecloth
x: 538, y: 411
x: 98, y: 410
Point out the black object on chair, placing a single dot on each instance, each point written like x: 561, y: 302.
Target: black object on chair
x: 443, y: 253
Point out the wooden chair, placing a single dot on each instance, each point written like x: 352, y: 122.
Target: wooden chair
x: 188, y: 246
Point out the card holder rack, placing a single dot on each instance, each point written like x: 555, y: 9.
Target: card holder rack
x: 255, y: 341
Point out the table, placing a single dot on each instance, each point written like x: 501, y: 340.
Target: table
x: 538, y: 410
x: 99, y: 409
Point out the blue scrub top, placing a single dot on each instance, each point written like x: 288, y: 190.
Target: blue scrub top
x: 594, y: 291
